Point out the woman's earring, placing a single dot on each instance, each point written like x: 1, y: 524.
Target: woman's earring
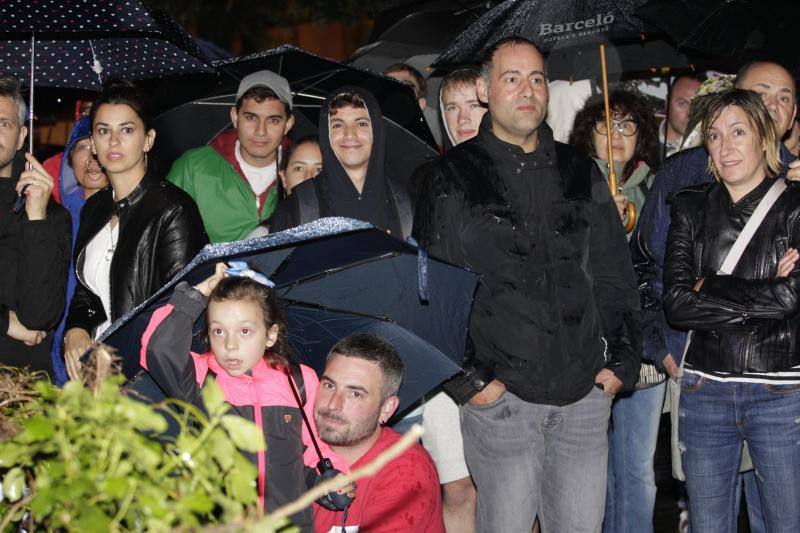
x: 145, y: 161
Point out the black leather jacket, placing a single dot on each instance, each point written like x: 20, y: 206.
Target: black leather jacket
x: 160, y: 231
x: 748, y: 321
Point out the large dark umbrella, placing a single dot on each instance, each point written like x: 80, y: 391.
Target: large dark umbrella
x: 336, y: 277
x: 739, y: 29
x: 205, y: 112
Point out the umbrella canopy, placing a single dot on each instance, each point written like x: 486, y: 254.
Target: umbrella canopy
x: 551, y: 24
x: 79, y: 53
x: 337, y: 277
x: 195, y: 122
x: 739, y: 29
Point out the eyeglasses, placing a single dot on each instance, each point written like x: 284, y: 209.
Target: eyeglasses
x: 625, y: 128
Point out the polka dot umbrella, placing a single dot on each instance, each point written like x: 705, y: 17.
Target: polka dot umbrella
x: 80, y: 43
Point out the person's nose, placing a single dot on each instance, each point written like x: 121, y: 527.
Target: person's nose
x: 335, y: 401
x: 113, y: 139
x: 231, y: 343
x: 463, y: 117
x: 261, y: 127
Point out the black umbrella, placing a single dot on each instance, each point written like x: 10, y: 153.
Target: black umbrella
x: 207, y: 101
x: 740, y: 29
x: 337, y: 277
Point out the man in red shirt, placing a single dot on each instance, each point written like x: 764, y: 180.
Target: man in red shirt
x: 357, y: 395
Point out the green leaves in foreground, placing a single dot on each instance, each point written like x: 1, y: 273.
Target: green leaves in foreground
x: 86, y: 460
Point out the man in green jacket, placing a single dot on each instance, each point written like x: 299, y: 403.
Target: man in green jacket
x: 233, y: 179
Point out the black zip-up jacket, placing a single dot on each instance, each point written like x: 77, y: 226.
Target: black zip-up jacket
x: 160, y: 231
x: 34, y: 260
x: 557, y: 300
x: 748, y: 321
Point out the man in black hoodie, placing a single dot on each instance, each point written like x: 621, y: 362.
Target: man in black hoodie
x: 353, y: 182
x: 34, y: 245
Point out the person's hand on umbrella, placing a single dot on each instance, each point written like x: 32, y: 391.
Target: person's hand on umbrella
x: 208, y: 284
x: 76, y: 342
x: 622, y: 204
x: 39, y: 186
x: 16, y: 330
x: 793, y: 174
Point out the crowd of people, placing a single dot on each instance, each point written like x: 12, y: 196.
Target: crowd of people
x: 578, y: 331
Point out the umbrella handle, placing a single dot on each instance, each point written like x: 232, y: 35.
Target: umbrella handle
x: 631, y: 222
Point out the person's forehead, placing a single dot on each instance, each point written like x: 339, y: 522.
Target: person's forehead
x: 353, y: 371
x: 404, y: 75
x: 768, y: 75
x: 461, y: 92
x: 8, y: 109
x: 521, y: 57
x: 350, y: 113
x: 685, y: 87
x: 267, y: 107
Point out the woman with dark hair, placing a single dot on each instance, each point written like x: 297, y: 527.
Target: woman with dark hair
x: 301, y: 161
x: 134, y: 235
x: 634, y: 142
x: 741, y: 375
x: 635, y: 415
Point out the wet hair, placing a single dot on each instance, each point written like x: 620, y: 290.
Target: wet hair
x: 9, y: 88
x: 259, y: 93
x: 244, y: 289
x: 460, y: 78
x: 487, y: 61
x: 287, y: 154
x: 421, y: 86
x: 346, y: 99
x: 758, y: 117
x: 621, y: 103
x: 373, y: 348
x: 117, y: 91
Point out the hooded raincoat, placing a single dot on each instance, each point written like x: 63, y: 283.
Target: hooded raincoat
x: 383, y: 202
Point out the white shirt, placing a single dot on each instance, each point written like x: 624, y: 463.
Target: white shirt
x: 97, y: 269
x: 259, y: 178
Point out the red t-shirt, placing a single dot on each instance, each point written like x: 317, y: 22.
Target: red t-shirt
x: 404, y: 496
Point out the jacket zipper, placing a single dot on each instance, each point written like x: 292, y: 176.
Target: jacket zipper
x: 262, y: 459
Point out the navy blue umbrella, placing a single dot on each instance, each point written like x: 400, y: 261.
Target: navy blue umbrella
x: 337, y: 277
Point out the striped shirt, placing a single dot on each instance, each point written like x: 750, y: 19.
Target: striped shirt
x: 784, y: 377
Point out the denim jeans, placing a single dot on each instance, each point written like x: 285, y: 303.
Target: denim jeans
x: 715, y: 419
x: 632, y: 436
x: 532, y: 459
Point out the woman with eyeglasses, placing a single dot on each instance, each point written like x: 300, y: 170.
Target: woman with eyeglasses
x: 632, y: 434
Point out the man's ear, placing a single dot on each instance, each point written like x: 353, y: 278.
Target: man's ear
x: 423, y: 103
x: 23, y: 131
x: 482, y: 90
x: 289, y: 124
x: 234, y: 117
x: 388, y: 408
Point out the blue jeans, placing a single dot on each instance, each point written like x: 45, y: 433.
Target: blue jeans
x: 632, y: 436
x: 715, y: 419
x: 532, y: 459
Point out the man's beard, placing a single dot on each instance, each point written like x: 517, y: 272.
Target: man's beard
x: 348, y: 435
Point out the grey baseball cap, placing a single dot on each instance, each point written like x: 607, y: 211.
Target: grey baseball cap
x: 266, y: 78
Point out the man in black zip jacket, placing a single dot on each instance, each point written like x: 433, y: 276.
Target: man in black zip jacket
x: 353, y: 182
x: 34, y: 245
x: 555, y: 327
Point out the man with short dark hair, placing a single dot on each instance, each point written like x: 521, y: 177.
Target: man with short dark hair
x: 353, y: 182
x: 356, y: 396
x: 234, y: 179
x: 679, y: 100
x: 34, y: 245
x: 414, y: 78
x: 554, y: 329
